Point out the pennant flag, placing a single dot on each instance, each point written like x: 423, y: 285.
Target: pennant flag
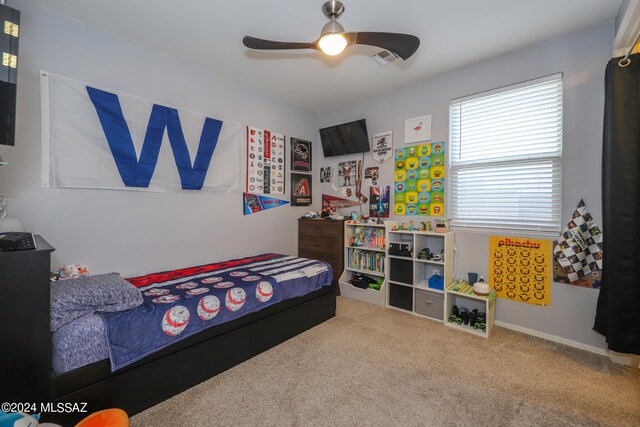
x: 255, y: 203
x: 332, y: 203
x: 579, y: 249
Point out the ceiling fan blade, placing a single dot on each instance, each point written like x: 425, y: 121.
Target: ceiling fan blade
x: 255, y: 43
x: 403, y: 45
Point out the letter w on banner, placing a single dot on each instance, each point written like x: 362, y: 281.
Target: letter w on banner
x: 96, y: 138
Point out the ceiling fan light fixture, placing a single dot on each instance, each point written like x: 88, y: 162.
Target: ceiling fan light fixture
x: 332, y: 42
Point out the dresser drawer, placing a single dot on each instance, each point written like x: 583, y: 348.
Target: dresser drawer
x: 325, y: 247
x: 429, y: 304
x: 311, y: 229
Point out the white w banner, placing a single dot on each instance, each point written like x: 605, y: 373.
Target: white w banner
x: 97, y: 138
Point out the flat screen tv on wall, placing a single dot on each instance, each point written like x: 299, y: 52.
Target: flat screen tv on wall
x: 347, y: 138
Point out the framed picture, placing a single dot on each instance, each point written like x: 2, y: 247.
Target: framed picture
x: 300, y: 189
x: 347, y: 173
x: 300, y: 155
x: 417, y: 130
x: 326, y: 174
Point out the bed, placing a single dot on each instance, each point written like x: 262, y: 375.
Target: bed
x: 235, y: 310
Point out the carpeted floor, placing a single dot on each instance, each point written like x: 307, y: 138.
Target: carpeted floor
x: 375, y: 366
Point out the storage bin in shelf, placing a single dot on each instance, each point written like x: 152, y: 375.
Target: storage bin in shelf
x: 461, y: 294
x: 369, y: 295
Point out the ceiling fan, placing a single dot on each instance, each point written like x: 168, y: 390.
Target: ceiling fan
x: 333, y: 39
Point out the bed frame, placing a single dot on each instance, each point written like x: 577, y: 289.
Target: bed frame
x: 190, y: 361
x: 27, y: 368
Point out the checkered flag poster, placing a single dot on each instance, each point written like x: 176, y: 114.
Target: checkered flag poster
x: 579, y: 249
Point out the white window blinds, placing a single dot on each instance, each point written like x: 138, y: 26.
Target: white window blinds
x: 506, y: 157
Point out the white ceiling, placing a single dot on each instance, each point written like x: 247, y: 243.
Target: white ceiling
x: 453, y: 33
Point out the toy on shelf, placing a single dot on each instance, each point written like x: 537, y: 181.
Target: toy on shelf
x: 394, y: 227
x: 439, y: 257
x: 442, y: 226
x: 474, y: 318
x: 356, y: 240
x: 425, y: 254
x: 411, y: 228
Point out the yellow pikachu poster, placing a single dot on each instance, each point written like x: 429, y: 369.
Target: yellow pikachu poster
x: 520, y: 269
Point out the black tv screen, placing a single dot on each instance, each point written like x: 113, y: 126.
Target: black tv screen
x: 347, y: 138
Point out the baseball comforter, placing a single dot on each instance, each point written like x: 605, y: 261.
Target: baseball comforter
x: 178, y: 304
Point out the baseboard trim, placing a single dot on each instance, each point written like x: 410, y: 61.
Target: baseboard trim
x: 554, y: 338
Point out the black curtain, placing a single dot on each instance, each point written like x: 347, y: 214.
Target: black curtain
x: 618, y: 312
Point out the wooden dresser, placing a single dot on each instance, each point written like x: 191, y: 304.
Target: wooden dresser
x: 323, y: 239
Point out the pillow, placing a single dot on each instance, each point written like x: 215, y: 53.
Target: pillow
x: 74, y: 298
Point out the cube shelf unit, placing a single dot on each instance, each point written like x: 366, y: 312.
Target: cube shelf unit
x: 368, y: 258
x: 408, y: 276
x: 460, y: 293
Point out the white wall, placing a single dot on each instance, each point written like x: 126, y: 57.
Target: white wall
x: 126, y: 231
x: 582, y: 58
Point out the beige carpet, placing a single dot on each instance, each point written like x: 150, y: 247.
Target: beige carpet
x: 375, y: 366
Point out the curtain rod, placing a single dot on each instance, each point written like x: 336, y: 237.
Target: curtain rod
x: 624, y: 62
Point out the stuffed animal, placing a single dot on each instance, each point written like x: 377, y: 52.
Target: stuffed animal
x: 72, y: 271
x: 83, y: 270
x: 19, y: 419
x: 69, y: 271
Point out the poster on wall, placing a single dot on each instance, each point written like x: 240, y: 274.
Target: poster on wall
x: 347, y: 173
x: 265, y: 161
x: 520, y: 269
x: 579, y: 249
x: 253, y: 203
x: 326, y: 174
x: 417, y: 130
x: 379, y: 202
x: 371, y: 176
x: 592, y: 280
x: 300, y: 189
x: 300, y: 155
x: 382, y: 146
x: 419, y: 185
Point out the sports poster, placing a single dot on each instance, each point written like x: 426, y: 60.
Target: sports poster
x: 300, y: 155
x: 382, y: 146
x: 265, y: 161
x: 347, y: 173
x: 419, y: 180
x: 371, y: 176
x: 300, y: 189
x: 379, y: 202
x: 520, y: 269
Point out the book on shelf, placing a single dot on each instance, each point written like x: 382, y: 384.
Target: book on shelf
x: 361, y: 259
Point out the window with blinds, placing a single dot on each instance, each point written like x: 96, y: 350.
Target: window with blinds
x: 506, y: 157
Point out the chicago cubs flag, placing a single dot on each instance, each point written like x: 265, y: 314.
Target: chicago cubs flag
x: 98, y: 138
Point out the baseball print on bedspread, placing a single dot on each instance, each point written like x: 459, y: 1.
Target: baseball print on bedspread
x: 180, y: 303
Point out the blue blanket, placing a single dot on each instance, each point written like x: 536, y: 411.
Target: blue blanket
x: 180, y: 303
